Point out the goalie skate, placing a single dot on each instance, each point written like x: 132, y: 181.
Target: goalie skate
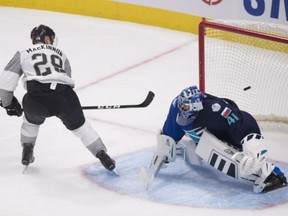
x: 274, y: 182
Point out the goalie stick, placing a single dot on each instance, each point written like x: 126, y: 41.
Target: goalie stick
x: 145, y: 103
x: 148, y: 179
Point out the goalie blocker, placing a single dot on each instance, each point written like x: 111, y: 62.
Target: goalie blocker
x: 250, y: 165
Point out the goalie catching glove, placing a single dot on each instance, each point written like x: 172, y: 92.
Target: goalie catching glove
x: 14, y: 109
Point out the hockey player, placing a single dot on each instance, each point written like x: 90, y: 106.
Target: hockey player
x: 47, y: 78
x: 219, y: 133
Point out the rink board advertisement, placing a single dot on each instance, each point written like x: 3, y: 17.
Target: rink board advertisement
x: 275, y: 11
x: 115, y: 10
x: 183, y: 15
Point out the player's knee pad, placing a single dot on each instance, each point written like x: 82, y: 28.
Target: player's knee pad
x: 86, y: 133
x: 29, y: 132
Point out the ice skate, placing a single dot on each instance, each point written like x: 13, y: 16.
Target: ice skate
x: 106, y: 161
x: 27, y: 154
x: 275, y: 181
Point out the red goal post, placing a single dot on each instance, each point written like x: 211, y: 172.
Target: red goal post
x: 247, y: 62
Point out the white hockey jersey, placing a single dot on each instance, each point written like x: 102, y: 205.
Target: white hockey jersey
x: 42, y: 62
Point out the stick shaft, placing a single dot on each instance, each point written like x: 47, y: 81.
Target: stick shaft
x: 145, y: 103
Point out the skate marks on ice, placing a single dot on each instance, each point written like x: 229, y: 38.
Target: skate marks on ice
x: 180, y: 184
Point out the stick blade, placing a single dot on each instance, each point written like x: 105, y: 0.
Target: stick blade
x: 25, y: 168
x: 148, y: 99
x: 143, y: 174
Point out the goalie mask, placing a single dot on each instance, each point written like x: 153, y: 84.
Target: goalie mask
x: 190, y: 101
x: 38, y: 34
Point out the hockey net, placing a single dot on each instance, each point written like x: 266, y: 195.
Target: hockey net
x: 248, y: 63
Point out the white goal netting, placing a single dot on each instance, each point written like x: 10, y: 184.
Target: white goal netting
x: 249, y: 69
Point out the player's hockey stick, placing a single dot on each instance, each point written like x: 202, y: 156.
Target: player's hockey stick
x: 25, y: 168
x: 145, y: 103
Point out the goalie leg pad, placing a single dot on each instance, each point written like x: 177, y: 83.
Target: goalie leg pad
x: 166, y: 150
x: 254, y: 152
x: 263, y: 173
x: 236, y: 164
x: 188, y: 152
x: 217, y: 154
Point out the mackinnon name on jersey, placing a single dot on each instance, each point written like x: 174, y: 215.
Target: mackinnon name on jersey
x: 45, y: 46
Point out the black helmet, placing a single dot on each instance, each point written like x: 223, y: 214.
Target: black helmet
x: 38, y: 34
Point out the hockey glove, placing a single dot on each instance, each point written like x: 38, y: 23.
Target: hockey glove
x: 14, y: 109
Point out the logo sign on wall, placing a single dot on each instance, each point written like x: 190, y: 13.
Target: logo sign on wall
x: 259, y: 7
x: 212, y: 2
x: 275, y: 11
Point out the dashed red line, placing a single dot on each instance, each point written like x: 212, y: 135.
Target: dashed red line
x: 133, y: 66
x: 122, y: 125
